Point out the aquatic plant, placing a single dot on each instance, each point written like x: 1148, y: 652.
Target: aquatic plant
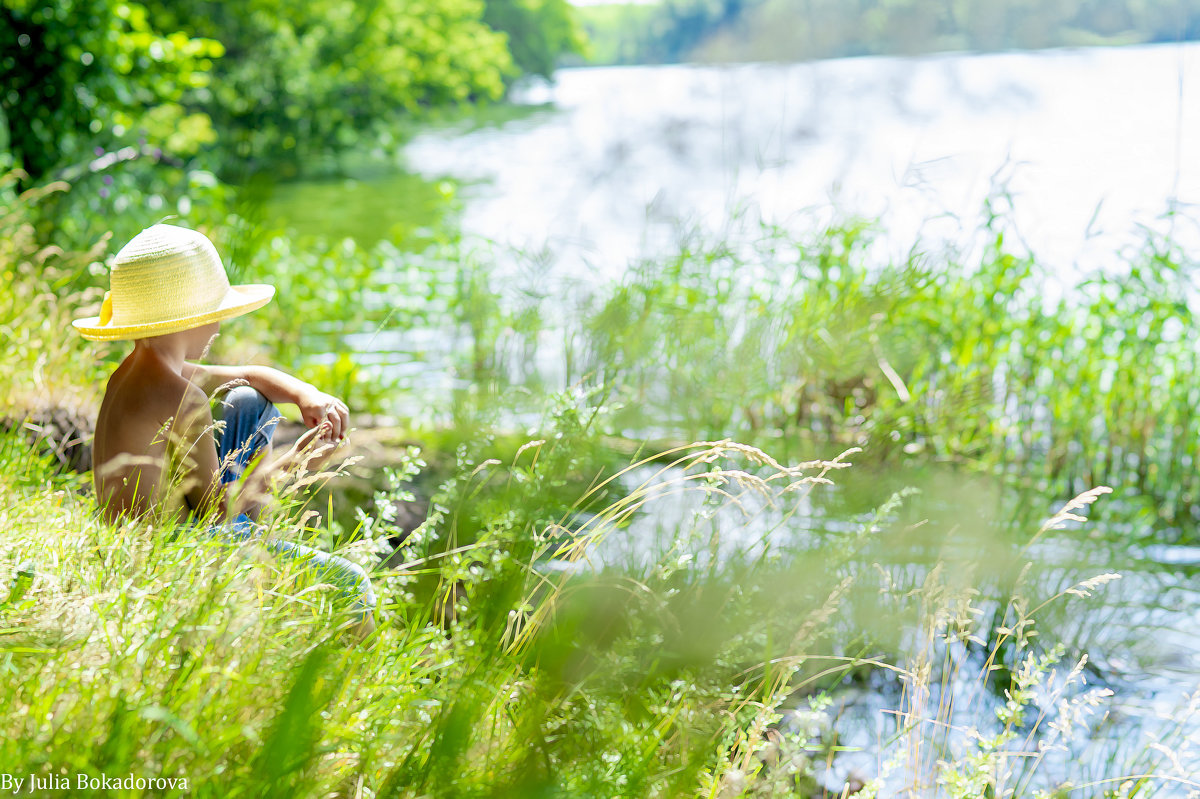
x: 804, y: 341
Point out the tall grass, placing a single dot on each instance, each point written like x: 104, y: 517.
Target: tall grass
x: 708, y: 670
x: 806, y: 342
x: 524, y: 654
x: 39, y: 293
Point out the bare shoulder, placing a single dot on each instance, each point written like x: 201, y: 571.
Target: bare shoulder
x: 192, y: 409
x: 147, y: 393
x: 142, y: 402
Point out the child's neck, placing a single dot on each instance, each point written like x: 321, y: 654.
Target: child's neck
x: 170, y: 350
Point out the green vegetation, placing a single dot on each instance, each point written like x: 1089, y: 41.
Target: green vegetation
x: 308, y: 78
x: 769, y: 30
x: 800, y: 344
x: 711, y: 664
x: 540, y: 32
x: 583, y: 613
x: 40, y: 346
x: 712, y: 658
x: 158, y: 652
x: 94, y: 73
x: 141, y: 107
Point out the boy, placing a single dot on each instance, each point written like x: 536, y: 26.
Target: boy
x: 158, y: 451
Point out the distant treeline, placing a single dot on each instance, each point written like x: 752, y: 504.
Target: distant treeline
x: 753, y: 30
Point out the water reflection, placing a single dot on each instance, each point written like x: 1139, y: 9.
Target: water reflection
x: 969, y: 533
x: 1089, y: 143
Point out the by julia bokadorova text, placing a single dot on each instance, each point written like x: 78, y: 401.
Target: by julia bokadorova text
x: 33, y: 783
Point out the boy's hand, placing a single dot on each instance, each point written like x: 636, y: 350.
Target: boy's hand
x: 315, y: 448
x: 317, y: 406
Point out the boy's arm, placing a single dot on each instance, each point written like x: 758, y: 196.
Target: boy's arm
x: 279, y: 387
x: 205, y: 495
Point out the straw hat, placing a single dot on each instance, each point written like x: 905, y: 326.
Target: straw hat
x: 165, y: 280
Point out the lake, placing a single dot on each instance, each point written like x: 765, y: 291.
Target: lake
x: 1077, y: 151
x: 611, y: 164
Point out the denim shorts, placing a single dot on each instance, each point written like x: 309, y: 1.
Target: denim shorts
x: 248, y: 422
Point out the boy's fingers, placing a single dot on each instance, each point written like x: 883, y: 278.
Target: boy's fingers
x: 320, y: 431
x: 333, y: 414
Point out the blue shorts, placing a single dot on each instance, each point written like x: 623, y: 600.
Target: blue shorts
x: 249, y: 422
x: 246, y: 422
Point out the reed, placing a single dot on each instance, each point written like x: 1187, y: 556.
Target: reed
x: 808, y: 342
x: 572, y: 621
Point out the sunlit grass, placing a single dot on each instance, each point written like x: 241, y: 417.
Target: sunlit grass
x: 518, y: 656
x: 159, y: 651
x: 803, y: 342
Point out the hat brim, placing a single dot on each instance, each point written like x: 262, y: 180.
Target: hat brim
x: 239, y: 300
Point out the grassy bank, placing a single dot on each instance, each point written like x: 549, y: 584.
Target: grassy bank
x: 569, y: 621
x: 165, y: 653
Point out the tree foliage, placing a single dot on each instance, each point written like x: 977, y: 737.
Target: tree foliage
x: 269, y: 82
x: 540, y: 32
x: 307, y: 77
x: 81, y: 73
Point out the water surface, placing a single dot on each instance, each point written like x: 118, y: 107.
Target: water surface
x: 1078, y: 149
x: 1089, y: 144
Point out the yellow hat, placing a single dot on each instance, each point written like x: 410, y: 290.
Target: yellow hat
x: 168, y: 279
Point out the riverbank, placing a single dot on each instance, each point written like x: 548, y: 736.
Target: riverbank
x: 577, y: 614
x: 683, y: 677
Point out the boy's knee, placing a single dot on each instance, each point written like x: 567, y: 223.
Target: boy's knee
x: 248, y: 422
x: 244, y: 400
x: 248, y: 413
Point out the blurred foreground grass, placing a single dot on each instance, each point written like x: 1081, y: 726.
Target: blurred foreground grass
x: 507, y: 667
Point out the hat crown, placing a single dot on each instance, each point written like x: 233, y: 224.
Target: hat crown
x: 166, y: 272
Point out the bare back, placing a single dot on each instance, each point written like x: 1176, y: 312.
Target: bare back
x: 142, y: 448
